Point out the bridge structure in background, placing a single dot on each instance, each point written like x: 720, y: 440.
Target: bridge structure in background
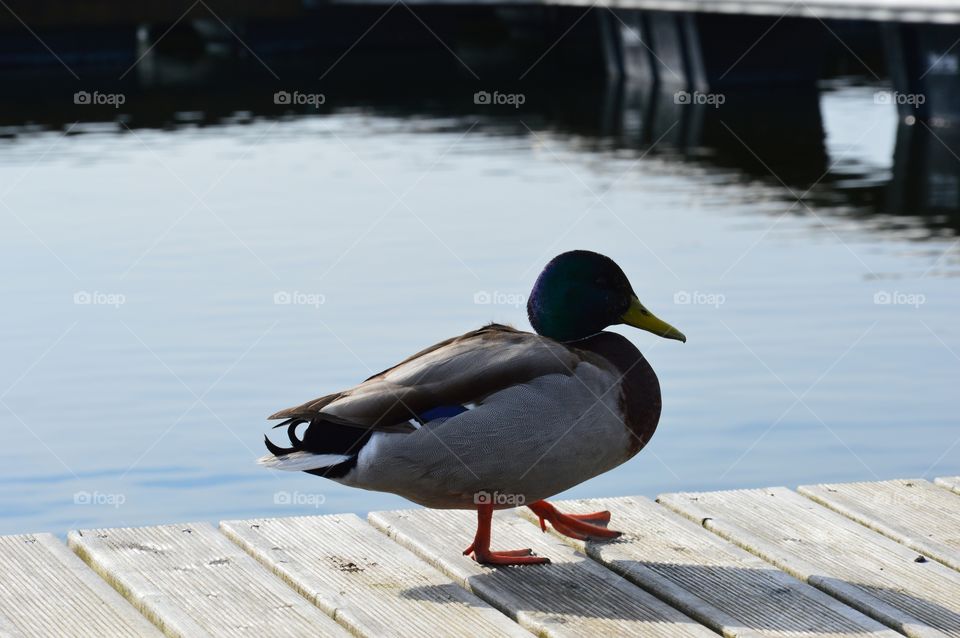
x: 698, y: 46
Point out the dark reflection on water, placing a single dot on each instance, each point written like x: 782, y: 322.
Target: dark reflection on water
x: 776, y: 136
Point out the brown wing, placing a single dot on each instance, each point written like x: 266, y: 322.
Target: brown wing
x: 457, y: 371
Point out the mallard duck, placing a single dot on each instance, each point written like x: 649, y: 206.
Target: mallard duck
x: 497, y: 417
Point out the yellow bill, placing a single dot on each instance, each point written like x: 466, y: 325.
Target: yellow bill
x: 639, y: 317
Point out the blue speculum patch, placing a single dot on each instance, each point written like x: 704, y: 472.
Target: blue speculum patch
x: 441, y: 412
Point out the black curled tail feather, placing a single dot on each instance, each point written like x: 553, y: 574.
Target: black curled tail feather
x: 296, y: 443
x: 323, y: 437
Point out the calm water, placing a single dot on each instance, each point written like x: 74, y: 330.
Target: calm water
x: 143, y: 343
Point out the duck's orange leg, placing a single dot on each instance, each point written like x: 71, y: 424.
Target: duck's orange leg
x: 580, y: 526
x: 480, y: 547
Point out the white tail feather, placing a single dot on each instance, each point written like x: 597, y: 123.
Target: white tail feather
x: 301, y: 461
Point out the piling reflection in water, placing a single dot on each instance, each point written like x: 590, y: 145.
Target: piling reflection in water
x: 926, y: 175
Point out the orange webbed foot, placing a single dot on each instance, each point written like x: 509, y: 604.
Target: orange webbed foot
x: 480, y: 547
x: 509, y: 557
x: 580, y: 526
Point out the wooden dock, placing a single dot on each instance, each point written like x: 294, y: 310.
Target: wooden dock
x: 877, y: 559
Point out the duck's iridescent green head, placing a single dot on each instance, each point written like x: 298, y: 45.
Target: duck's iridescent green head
x: 580, y: 293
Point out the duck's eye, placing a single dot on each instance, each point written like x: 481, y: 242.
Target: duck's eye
x: 601, y: 281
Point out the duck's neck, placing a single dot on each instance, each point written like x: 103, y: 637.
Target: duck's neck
x: 563, y: 326
x: 640, y: 401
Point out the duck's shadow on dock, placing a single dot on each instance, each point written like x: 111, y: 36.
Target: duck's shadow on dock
x: 759, y: 599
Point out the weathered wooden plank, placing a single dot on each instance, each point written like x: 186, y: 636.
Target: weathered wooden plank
x: 48, y: 592
x: 191, y: 581
x: 949, y: 482
x: 369, y: 583
x: 572, y: 596
x: 914, y: 512
x: 873, y: 573
x: 715, y: 582
x: 7, y: 630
